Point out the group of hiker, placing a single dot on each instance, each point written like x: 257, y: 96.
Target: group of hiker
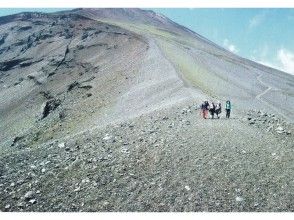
x: 214, y: 109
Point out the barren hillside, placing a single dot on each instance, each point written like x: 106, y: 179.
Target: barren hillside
x: 98, y: 112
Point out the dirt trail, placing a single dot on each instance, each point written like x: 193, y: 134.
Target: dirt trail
x: 258, y: 97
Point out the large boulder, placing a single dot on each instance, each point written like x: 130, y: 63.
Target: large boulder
x: 49, y: 106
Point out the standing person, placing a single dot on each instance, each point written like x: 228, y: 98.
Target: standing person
x: 206, y: 104
x: 202, y: 107
x: 228, y: 109
x: 218, y: 109
x: 212, y: 109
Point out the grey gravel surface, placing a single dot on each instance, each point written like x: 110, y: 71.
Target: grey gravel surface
x: 164, y: 161
x: 98, y: 113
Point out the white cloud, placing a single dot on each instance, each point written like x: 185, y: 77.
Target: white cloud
x: 257, y: 19
x: 231, y: 47
x: 269, y: 64
x: 264, y: 51
x: 284, y: 61
x: 286, y: 58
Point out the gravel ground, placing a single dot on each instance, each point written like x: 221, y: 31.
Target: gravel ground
x: 102, y: 120
x: 168, y: 160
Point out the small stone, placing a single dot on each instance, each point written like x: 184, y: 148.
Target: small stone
x: 20, y: 205
x: 256, y: 204
x: 29, y: 195
x: 280, y: 130
x: 105, y: 203
x: 20, y: 181
x: 61, y: 145
x: 239, y: 199
x: 184, y: 111
x: 77, y: 189
x: 12, y: 184
x: 107, y: 137
x: 87, y: 180
x: 7, y: 206
x: 33, y: 166
x: 43, y: 170
x: 32, y: 201
x: 187, y: 188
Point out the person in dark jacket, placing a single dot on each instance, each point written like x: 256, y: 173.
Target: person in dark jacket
x: 212, y: 109
x: 204, y: 109
x: 228, y: 109
x: 218, y: 109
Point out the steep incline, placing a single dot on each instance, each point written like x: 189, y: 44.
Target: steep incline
x: 202, y: 64
x: 97, y: 113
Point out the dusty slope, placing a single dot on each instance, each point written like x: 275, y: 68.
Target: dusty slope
x: 85, y: 68
x: 67, y: 81
x: 162, y: 161
x: 213, y: 70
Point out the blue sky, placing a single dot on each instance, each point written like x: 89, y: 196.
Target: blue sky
x: 262, y: 35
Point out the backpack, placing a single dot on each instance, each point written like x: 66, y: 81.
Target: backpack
x: 228, y: 105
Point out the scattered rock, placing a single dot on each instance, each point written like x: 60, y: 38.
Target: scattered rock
x: 239, y: 199
x: 49, y: 106
x: 72, y: 86
x: 33, y: 201
x: 29, y: 195
x: 184, y: 111
x: 77, y: 189
x: 87, y: 180
x: 107, y: 137
x: 279, y: 130
x: 16, y: 139
x: 20, y: 205
x: 61, y: 145
x: 187, y: 188
x: 87, y: 87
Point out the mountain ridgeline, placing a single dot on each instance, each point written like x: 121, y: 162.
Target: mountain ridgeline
x: 97, y: 113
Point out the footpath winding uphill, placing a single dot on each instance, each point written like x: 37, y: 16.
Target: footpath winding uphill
x: 271, y: 106
x: 99, y: 112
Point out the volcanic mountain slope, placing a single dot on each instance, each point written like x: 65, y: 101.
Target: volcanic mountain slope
x: 90, y: 117
x: 206, y: 66
x: 131, y: 62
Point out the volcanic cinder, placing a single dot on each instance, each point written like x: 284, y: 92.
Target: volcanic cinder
x: 99, y: 112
